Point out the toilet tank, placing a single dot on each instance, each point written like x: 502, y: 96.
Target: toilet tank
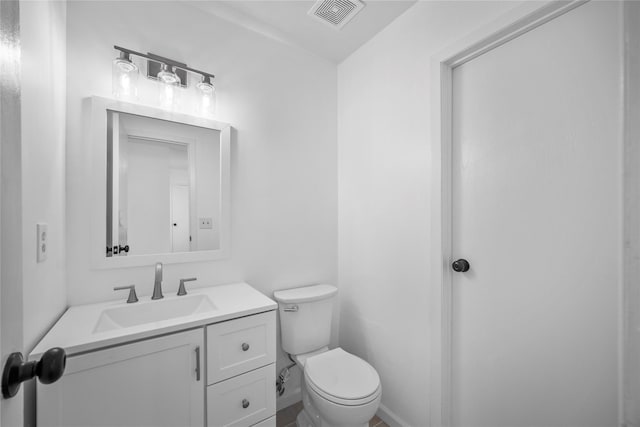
x: 305, y: 317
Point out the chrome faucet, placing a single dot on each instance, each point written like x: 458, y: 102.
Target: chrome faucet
x: 157, y: 285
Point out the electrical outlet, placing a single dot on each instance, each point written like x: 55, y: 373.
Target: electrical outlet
x: 42, y: 241
x: 206, y: 222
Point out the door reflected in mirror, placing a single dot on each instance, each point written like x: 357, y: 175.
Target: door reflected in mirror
x: 163, y: 186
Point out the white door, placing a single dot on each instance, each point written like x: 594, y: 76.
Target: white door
x: 11, y: 304
x: 180, y: 228
x: 156, y: 382
x: 536, y: 212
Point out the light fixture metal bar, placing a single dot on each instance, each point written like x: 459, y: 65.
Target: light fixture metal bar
x: 154, y: 66
x: 166, y: 61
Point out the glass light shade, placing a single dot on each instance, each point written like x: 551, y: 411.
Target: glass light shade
x: 124, y: 79
x: 207, y: 95
x: 168, y: 88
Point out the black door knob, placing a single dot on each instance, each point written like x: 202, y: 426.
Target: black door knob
x: 48, y: 369
x: 460, y: 265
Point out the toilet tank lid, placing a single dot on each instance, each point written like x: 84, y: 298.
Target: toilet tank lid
x: 305, y: 294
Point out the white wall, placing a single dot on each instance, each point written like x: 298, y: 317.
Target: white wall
x: 384, y: 197
x: 43, y: 28
x: 282, y: 104
x: 207, y: 193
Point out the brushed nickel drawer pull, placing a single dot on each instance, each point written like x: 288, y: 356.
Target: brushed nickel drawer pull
x: 198, y: 363
x: 245, y: 403
x: 245, y: 346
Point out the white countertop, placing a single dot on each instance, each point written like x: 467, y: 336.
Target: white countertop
x: 74, y: 331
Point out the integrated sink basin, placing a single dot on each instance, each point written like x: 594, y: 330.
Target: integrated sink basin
x: 153, y: 311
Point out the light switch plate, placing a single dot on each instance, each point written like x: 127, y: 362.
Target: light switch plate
x: 42, y: 241
x: 206, y: 222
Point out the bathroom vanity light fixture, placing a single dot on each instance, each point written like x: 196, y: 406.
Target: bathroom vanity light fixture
x: 170, y: 73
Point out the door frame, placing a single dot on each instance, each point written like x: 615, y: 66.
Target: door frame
x: 520, y: 20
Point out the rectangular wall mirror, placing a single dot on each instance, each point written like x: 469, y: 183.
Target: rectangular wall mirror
x: 165, y: 181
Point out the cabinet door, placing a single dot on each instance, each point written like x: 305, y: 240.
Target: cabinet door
x: 156, y: 382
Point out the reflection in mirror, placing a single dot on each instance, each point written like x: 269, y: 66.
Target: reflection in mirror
x: 163, y: 186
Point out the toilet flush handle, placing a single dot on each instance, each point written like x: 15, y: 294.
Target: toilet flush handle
x: 291, y: 308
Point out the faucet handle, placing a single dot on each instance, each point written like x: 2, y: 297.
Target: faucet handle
x: 181, y: 288
x: 132, y: 292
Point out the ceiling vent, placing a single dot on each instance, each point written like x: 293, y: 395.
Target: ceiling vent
x: 335, y: 13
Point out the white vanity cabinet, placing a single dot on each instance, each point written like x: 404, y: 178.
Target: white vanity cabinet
x: 176, y: 362
x: 155, y: 382
x: 161, y: 381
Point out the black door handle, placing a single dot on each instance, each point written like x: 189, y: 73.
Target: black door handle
x: 460, y: 265
x: 48, y: 369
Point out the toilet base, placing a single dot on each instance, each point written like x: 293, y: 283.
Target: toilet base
x: 303, y: 420
x: 310, y: 416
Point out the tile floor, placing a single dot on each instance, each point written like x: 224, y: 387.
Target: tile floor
x: 287, y: 417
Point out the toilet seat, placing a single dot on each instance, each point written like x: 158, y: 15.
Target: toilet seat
x: 342, y: 378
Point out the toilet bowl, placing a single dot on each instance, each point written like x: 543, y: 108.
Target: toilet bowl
x: 339, y: 389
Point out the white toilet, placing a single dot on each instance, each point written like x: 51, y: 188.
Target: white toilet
x: 339, y: 389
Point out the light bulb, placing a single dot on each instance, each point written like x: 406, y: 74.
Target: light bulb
x: 168, y: 77
x: 207, y: 94
x: 124, y: 78
x: 168, y: 87
x: 167, y: 96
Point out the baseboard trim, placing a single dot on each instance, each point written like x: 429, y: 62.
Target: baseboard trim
x: 390, y: 418
x: 289, y: 399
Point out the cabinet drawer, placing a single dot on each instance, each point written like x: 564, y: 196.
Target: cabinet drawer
x: 269, y: 422
x: 243, y: 400
x: 240, y: 345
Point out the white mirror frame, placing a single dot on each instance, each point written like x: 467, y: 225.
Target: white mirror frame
x: 97, y: 138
